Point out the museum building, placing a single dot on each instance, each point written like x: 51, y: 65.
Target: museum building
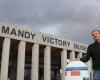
x: 28, y: 55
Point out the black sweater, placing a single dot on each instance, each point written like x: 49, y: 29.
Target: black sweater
x: 93, y: 51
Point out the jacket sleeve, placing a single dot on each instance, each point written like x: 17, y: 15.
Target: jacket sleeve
x: 87, y: 56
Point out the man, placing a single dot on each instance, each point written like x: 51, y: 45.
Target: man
x: 93, y: 51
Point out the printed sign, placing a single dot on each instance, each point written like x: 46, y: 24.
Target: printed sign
x: 76, y: 70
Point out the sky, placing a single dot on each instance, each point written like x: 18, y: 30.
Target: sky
x: 70, y: 19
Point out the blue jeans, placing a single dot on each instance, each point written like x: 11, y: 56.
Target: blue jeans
x: 96, y: 75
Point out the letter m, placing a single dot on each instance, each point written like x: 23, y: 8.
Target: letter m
x: 5, y: 30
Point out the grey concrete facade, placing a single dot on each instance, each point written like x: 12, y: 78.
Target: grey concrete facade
x: 48, y: 42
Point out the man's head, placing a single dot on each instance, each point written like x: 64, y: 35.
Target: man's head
x: 96, y: 35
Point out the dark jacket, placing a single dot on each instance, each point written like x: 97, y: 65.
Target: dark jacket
x: 93, y: 51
